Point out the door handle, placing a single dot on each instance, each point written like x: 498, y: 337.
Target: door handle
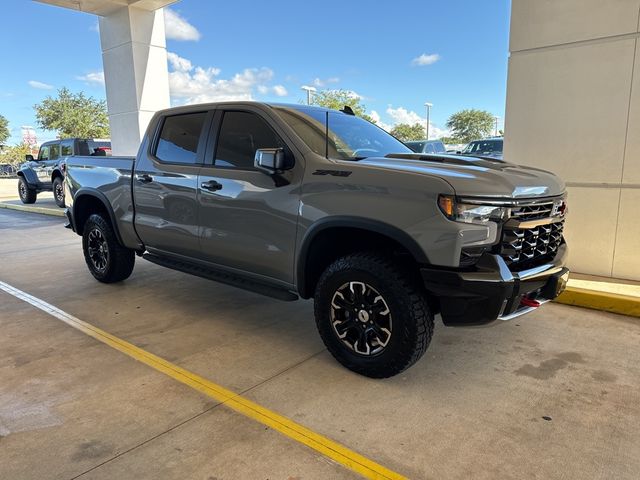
x: 211, y: 185
x: 144, y: 178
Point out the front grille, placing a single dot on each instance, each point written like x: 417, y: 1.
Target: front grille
x: 525, y: 247
x: 532, y: 212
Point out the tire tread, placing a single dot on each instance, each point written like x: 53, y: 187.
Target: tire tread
x: 416, y: 337
x: 122, y: 259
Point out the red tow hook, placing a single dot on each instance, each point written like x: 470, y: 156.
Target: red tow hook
x: 529, y: 302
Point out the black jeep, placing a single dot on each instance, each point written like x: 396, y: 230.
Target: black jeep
x: 46, y: 172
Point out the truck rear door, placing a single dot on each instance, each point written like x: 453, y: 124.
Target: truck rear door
x: 165, y: 185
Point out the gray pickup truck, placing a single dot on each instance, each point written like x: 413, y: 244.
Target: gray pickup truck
x: 292, y: 201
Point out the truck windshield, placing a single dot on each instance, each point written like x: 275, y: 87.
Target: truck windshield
x: 484, y: 146
x: 339, y: 135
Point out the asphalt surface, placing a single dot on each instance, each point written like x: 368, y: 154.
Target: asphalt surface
x: 552, y: 395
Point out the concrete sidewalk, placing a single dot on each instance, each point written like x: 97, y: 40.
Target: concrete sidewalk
x: 552, y: 395
x: 45, y: 204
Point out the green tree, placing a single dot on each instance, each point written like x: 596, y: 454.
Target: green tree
x: 4, y: 130
x: 406, y: 132
x: 337, y: 99
x: 73, y: 115
x: 15, y: 155
x: 470, y: 124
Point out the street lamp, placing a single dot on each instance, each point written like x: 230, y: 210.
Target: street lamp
x: 496, y: 118
x: 428, y: 106
x: 310, y: 91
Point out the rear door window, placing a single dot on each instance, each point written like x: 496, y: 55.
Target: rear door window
x: 66, y: 148
x: 54, y: 151
x: 179, y: 137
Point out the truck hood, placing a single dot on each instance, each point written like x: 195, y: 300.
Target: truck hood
x: 475, y: 176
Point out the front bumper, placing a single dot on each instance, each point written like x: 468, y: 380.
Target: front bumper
x: 492, y: 291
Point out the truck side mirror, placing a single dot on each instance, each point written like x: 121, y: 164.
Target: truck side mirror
x: 270, y: 160
x: 29, y: 158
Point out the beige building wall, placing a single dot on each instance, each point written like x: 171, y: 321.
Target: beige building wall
x: 573, y: 107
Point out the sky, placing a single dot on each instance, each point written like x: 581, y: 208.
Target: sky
x: 394, y: 55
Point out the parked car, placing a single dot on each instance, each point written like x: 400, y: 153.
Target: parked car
x: 426, y: 146
x: 295, y: 201
x: 45, y: 173
x: 7, y: 170
x: 488, y: 147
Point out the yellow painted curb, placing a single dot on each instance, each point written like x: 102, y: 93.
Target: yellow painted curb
x: 609, y: 302
x: 27, y: 208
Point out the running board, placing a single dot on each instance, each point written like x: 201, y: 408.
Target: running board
x: 223, y: 277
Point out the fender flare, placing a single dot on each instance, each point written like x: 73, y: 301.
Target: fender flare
x: 101, y: 197
x: 29, y: 177
x: 363, y: 223
x: 56, y: 173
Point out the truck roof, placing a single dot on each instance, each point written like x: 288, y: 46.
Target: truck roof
x: 206, y: 106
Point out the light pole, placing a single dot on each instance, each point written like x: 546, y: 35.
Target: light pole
x: 428, y: 106
x: 310, y: 91
x: 496, y: 118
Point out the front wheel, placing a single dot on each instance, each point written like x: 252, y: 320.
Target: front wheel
x: 108, y: 261
x: 372, y: 315
x: 58, y: 191
x: 26, y: 193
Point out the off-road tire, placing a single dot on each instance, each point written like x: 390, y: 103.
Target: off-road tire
x: 119, y: 260
x: 58, y: 191
x: 25, y: 192
x: 412, y: 319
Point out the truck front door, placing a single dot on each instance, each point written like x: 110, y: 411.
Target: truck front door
x: 47, y: 160
x: 247, y: 218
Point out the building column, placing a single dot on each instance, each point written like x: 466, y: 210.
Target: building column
x: 134, y: 57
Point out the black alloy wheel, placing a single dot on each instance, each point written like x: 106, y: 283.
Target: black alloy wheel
x: 98, y: 250
x: 361, y: 318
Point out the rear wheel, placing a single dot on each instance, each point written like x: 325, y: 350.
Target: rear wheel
x: 108, y: 261
x: 372, y: 315
x: 27, y: 194
x: 58, y: 191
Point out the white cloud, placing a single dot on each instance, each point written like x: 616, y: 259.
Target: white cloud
x: 93, y: 78
x: 375, y: 116
x: 178, y: 28
x: 181, y: 64
x: 319, y: 82
x: 402, y: 115
x: 425, y: 59
x: 40, y: 85
x: 194, y: 84
x: 262, y: 89
x: 280, y: 91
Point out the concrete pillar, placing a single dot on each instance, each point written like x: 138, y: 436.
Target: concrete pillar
x: 573, y: 107
x: 134, y: 56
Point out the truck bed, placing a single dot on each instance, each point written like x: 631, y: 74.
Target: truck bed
x: 110, y: 178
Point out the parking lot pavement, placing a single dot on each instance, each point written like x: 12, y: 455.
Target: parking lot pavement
x: 551, y: 395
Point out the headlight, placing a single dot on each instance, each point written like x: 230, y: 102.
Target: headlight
x: 470, y: 213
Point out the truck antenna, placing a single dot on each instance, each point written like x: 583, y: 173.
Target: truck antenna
x: 348, y: 110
